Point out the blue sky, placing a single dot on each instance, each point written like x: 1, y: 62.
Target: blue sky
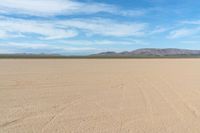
x: 75, y: 27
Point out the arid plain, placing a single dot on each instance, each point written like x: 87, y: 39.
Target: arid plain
x: 100, y: 96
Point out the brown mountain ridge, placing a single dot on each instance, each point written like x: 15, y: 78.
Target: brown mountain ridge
x: 152, y: 52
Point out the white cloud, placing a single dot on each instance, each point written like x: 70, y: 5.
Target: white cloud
x: 159, y: 30
x: 70, y: 49
x: 3, y: 34
x: 103, y: 42
x: 185, y: 28
x: 196, y: 22
x: 25, y: 45
x: 49, y: 7
x: 183, y: 32
x: 46, y: 46
x: 106, y: 27
x: 49, y: 30
x: 18, y: 27
x: 131, y: 13
x: 60, y: 7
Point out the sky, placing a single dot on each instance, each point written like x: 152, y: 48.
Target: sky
x: 81, y: 27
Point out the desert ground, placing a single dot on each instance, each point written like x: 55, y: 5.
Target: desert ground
x: 100, y: 96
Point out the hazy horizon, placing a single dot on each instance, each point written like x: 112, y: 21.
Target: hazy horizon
x: 97, y: 53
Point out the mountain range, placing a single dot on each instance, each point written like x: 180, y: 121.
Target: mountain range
x: 146, y: 53
x: 152, y: 52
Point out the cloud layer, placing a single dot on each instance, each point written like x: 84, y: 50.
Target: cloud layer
x: 75, y: 25
x: 68, y: 28
x: 47, y: 8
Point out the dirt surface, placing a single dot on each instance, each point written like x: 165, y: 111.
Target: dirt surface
x: 100, y: 96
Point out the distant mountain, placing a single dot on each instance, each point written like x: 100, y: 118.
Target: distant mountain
x: 139, y: 53
x: 152, y: 52
x: 25, y: 55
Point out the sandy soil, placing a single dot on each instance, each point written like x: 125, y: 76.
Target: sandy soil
x: 100, y: 96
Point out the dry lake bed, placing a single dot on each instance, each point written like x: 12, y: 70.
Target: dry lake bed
x: 100, y: 96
